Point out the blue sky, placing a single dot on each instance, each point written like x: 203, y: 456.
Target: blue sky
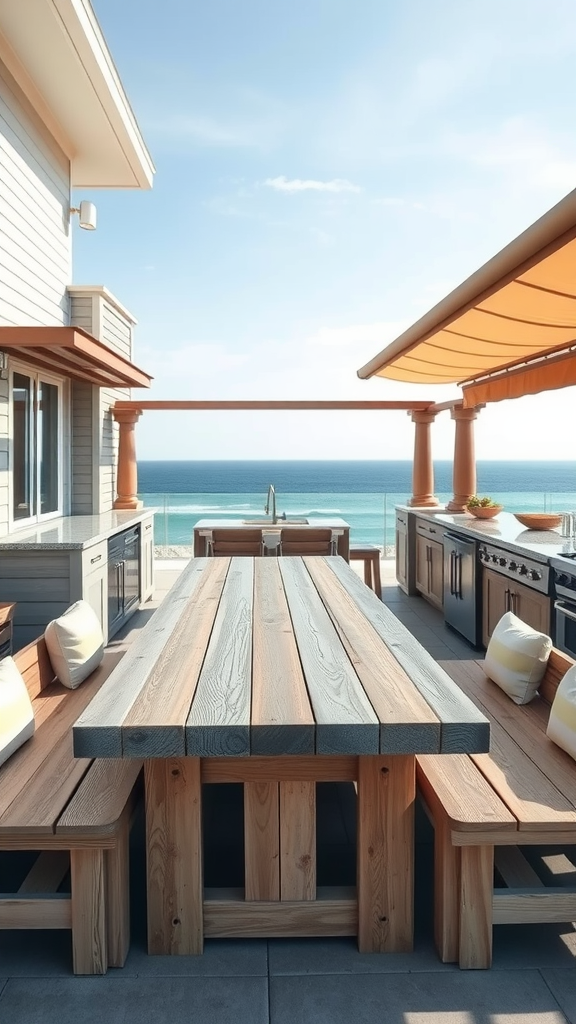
x: 326, y: 172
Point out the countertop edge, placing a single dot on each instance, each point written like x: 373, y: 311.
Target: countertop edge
x: 34, y: 542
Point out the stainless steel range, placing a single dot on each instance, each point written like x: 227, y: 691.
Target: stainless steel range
x: 526, y: 570
x: 564, y: 570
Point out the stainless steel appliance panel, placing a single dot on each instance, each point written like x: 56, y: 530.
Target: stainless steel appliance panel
x: 461, y: 587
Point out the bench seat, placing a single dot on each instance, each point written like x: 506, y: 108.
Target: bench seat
x: 75, y: 813
x: 485, y: 807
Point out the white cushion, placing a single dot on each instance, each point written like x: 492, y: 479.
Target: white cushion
x: 16, y: 714
x: 562, y: 722
x: 516, y: 658
x: 75, y: 644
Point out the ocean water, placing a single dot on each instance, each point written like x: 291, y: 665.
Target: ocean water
x: 363, y: 493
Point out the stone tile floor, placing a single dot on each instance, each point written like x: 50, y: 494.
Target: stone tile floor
x: 306, y: 981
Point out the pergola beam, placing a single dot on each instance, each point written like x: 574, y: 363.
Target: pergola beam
x: 273, y: 405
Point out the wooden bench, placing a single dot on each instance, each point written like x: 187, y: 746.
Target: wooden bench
x: 370, y: 555
x: 486, y: 807
x: 75, y: 813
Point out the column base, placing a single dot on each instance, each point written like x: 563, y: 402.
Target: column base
x: 423, y: 501
x: 127, y: 504
x: 455, y: 505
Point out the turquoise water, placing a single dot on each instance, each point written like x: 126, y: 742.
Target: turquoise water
x: 362, y: 493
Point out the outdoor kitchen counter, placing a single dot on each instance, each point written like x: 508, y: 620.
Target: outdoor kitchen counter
x: 72, y: 532
x: 504, y: 531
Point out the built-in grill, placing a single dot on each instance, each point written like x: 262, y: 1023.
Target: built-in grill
x: 515, y: 566
x: 564, y: 570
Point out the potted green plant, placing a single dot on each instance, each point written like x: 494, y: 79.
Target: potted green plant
x: 483, y: 507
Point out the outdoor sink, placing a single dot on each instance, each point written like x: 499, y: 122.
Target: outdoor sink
x: 289, y: 521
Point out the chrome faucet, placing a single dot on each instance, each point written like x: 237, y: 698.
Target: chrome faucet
x: 272, y: 496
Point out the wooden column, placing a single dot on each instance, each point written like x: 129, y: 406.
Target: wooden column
x: 127, y: 474
x: 464, y: 469
x: 422, y: 468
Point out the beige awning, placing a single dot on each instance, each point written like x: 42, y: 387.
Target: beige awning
x: 71, y: 352
x: 520, y: 306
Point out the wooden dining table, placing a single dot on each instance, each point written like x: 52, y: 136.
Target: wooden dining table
x: 278, y: 674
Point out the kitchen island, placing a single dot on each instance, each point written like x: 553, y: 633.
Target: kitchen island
x: 291, y: 523
x: 476, y: 570
x: 48, y: 566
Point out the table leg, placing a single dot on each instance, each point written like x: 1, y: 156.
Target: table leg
x: 174, y: 855
x: 385, y: 874
x: 297, y: 840
x: 261, y: 841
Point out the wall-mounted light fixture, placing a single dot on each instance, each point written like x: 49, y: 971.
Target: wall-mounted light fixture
x: 86, y: 215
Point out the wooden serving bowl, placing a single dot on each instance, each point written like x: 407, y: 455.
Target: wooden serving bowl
x: 538, y: 520
x: 484, y: 511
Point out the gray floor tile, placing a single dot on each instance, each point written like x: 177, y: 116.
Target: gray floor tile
x: 457, y: 997
x: 562, y: 984
x: 534, y: 945
x: 122, y: 1000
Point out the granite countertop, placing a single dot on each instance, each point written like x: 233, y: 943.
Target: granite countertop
x: 504, y: 531
x: 315, y: 522
x: 72, y: 531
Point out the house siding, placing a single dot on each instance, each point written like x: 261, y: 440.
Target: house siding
x: 96, y: 314
x: 35, y: 245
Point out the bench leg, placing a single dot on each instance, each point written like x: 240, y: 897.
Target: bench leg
x: 118, y: 895
x: 446, y: 893
x: 377, y: 577
x: 368, y: 572
x: 476, y: 892
x: 89, y: 947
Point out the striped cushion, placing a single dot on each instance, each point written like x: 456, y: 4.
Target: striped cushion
x: 516, y: 658
x: 562, y: 721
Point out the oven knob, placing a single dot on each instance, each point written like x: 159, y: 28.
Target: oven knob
x: 513, y: 566
x: 494, y: 558
x: 523, y: 570
x: 501, y: 561
x: 535, y: 574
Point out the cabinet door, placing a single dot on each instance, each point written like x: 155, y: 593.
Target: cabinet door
x: 422, y: 564
x: 147, y: 560
x: 436, y: 575
x: 401, y: 553
x: 496, y: 590
x: 533, y: 608
x: 95, y: 592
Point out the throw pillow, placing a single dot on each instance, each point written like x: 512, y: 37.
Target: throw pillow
x: 562, y: 722
x: 16, y: 714
x: 75, y: 644
x: 516, y: 658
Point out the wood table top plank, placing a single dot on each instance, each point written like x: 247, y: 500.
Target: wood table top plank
x: 406, y: 720
x: 154, y: 726
x: 464, y: 728
x: 219, y: 720
x: 345, y: 720
x: 282, y: 721
x: 99, y: 728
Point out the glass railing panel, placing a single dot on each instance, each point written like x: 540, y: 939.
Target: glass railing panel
x: 371, y: 515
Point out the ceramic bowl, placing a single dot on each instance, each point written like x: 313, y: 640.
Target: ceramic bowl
x: 538, y: 520
x: 484, y: 511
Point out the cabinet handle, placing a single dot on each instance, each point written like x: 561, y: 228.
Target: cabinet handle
x: 431, y: 529
x: 452, y: 556
x: 148, y: 527
x: 95, y: 559
x: 507, y: 601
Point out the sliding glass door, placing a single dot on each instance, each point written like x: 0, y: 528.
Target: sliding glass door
x: 37, y: 447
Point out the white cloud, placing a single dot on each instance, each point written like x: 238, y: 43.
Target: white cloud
x: 284, y: 184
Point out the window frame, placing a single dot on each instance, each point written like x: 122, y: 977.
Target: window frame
x: 36, y: 375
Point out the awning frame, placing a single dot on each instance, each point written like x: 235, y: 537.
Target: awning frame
x: 73, y: 353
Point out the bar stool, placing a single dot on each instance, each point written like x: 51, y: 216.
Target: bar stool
x: 370, y: 555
